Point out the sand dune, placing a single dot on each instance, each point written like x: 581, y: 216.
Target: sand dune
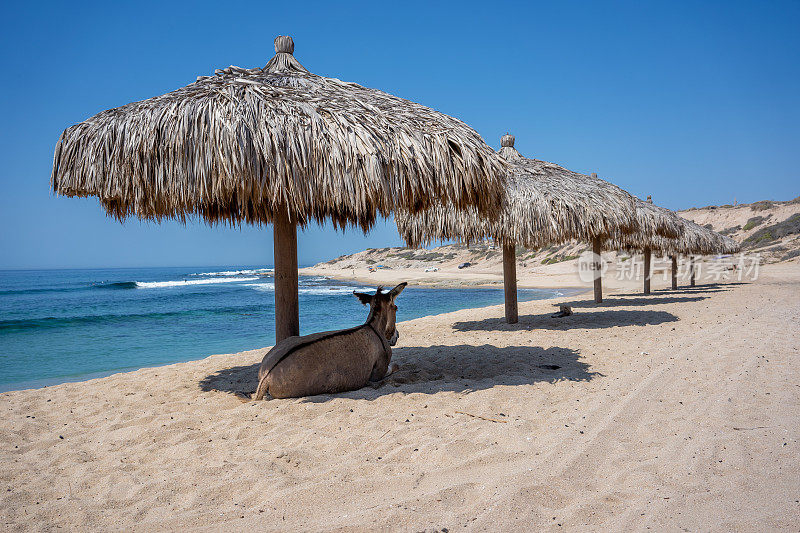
x: 676, y: 411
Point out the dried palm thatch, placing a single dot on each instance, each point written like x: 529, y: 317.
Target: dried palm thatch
x: 654, y: 223
x: 696, y: 240
x: 544, y: 204
x: 691, y: 238
x: 239, y: 145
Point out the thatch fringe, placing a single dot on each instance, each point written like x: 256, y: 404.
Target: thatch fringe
x: 544, y: 204
x: 693, y: 240
x: 243, y: 143
x: 697, y: 240
x: 653, y: 224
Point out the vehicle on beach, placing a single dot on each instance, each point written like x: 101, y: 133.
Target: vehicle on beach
x: 464, y: 265
x: 432, y: 269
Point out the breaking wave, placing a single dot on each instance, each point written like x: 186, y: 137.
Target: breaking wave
x: 119, y: 285
x: 319, y: 290
x: 187, y: 282
x: 228, y: 273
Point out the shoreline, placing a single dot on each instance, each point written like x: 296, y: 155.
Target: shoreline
x: 43, y: 383
x: 484, y: 281
x: 563, y: 278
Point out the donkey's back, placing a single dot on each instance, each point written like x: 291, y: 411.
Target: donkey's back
x: 321, y: 363
x: 333, y: 361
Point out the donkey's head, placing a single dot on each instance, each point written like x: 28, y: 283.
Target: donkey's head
x: 382, y: 311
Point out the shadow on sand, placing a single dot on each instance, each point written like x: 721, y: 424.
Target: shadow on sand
x: 432, y: 369
x: 580, y: 320
x: 658, y: 296
x: 621, y: 301
x: 707, y: 287
x: 688, y: 290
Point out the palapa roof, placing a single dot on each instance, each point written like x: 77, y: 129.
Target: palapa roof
x: 653, y: 222
x: 656, y: 221
x: 544, y: 204
x: 238, y: 145
x: 698, y: 240
x: 684, y: 237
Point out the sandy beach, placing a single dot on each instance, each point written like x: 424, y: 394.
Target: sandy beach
x: 678, y: 411
x: 561, y: 275
x: 194, y: 192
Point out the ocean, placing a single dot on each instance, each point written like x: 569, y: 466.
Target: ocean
x: 71, y: 325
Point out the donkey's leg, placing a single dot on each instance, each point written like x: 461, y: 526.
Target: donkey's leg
x: 380, y: 370
x: 394, y: 367
x: 383, y: 371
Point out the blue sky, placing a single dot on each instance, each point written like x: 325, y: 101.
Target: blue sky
x: 695, y: 103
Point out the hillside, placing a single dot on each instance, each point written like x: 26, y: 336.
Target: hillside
x: 482, y: 257
x: 767, y: 227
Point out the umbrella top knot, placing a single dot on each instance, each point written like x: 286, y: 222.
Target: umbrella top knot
x: 284, y: 44
x: 507, y: 140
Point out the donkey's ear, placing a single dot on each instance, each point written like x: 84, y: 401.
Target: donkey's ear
x: 363, y: 298
x: 397, y: 290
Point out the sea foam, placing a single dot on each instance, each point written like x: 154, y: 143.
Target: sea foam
x: 248, y: 272
x: 187, y: 282
x: 319, y: 290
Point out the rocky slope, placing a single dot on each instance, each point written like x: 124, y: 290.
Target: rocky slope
x: 770, y: 228
x: 766, y: 227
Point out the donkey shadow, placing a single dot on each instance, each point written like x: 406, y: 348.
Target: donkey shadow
x: 432, y: 369
x: 579, y: 320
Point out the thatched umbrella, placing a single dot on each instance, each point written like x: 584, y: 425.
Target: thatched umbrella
x: 695, y: 240
x: 654, y: 223
x: 276, y: 145
x: 544, y: 204
x: 671, y: 235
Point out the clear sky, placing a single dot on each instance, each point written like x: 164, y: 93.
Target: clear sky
x: 693, y: 102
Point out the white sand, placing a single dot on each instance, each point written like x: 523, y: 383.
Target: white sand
x: 490, y: 273
x: 677, y: 411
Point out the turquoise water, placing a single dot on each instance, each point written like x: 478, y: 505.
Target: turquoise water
x: 66, y: 325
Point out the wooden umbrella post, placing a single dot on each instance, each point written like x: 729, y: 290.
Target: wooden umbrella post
x: 647, y: 254
x: 510, y: 282
x: 674, y: 272
x: 598, y: 266
x: 691, y: 271
x: 287, y: 306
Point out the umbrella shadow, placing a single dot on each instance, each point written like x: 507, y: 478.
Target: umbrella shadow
x: 579, y: 320
x: 617, y: 301
x: 432, y: 369
x: 711, y: 286
x: 689, y: 290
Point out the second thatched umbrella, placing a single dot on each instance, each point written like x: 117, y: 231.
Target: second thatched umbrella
x: 276, y: 145
x: 544, y: 204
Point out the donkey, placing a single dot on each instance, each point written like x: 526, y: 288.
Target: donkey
x: 334, y: 361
